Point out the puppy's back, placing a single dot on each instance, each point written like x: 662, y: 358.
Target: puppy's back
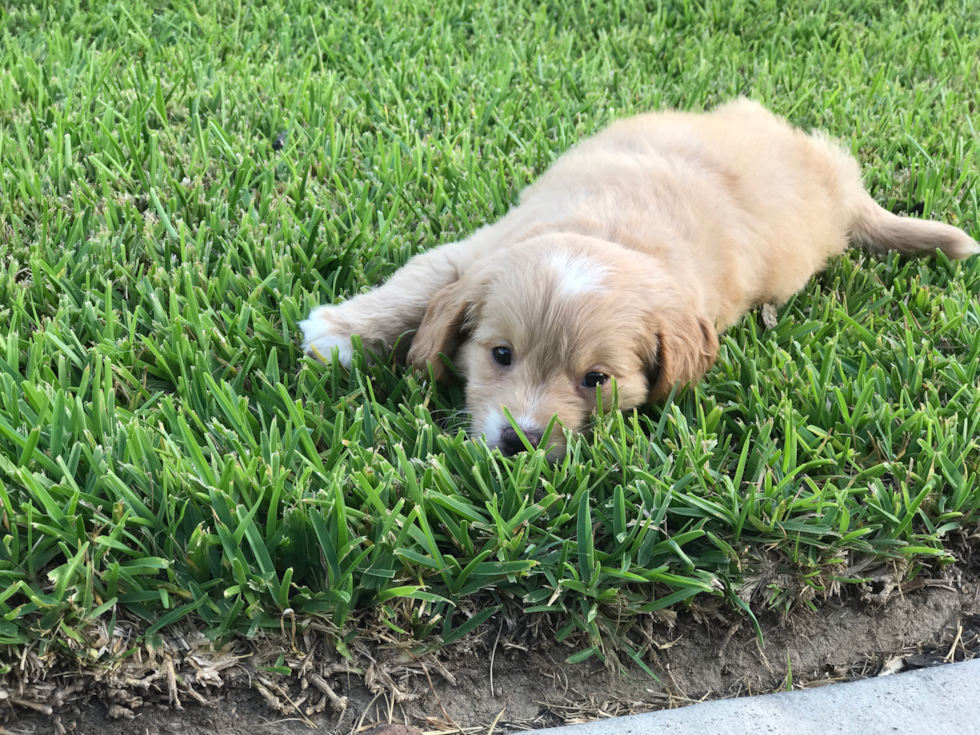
x: 737, y: 201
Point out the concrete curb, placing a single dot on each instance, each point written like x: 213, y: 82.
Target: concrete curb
x: 936, y: 701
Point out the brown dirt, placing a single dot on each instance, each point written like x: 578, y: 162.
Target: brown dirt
x: 707, y: 654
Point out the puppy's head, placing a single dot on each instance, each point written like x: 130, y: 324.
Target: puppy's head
x: 545, y: 328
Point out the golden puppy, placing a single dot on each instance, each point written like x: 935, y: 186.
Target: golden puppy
x: 624, y: 261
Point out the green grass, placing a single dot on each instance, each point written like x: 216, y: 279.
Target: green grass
x: 166, y: 450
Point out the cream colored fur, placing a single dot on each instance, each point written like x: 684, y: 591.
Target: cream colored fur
x: 627, y: 258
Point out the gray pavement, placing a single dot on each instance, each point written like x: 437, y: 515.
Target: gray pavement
x: 936, y: 701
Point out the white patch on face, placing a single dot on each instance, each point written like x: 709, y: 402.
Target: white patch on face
x: 578, y: 274
x: 317, y: 334
x: 495, y: 424
x: 493, y: 427
x: 526, y: 419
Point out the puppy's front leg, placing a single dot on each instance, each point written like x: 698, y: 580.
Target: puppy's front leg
x: 381, y: 316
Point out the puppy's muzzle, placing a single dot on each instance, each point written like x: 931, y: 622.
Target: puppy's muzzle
x: 511, y: 444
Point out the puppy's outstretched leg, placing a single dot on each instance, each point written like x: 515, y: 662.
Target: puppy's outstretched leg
x: 381, y: 316
x: 879, y: 230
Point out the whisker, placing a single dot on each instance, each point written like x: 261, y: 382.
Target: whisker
x: 452, y: 420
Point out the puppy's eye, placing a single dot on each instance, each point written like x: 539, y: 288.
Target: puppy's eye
x: 591, y: 380
x: 501, y: 355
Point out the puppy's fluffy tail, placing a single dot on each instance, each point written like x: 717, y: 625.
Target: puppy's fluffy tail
x: 878, y: 230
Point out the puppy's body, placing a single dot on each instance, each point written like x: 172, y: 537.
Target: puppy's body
x: 624, y: 260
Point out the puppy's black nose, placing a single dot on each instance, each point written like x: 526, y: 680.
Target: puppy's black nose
x: 511, y: 444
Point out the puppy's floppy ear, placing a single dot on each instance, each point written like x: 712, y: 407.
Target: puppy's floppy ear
x: 683, y: 351
x: 442, y: 329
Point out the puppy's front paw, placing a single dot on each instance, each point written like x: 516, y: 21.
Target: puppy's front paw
x: 322, y: 335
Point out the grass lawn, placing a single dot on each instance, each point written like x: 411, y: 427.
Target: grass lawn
x: 181, y: 182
